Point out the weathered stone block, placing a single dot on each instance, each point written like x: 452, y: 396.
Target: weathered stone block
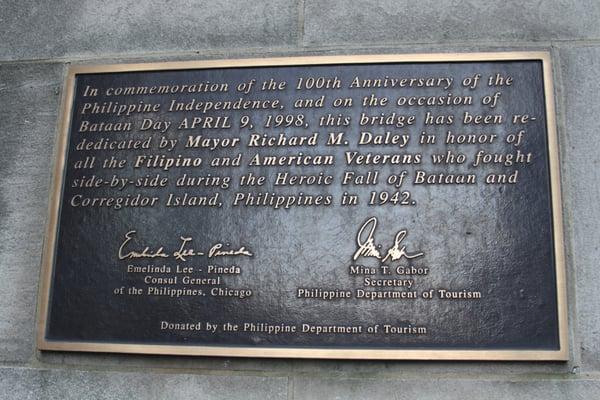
x: 25, y: 383
x: 34, y: 29
x: 581, y: 189
x: 444, y: 389
x: 29, y: 103
x: 392, y: 21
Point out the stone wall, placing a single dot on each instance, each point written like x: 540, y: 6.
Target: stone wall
x: 40, y: 39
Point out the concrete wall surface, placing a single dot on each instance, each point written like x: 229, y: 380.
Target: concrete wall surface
x: 39, y: 39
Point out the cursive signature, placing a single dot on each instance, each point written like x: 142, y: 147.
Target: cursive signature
x: 184, y: 252
x: 181, y: 254
x: 368, y: 248
x: 216, y: 251
x: 145, y: 253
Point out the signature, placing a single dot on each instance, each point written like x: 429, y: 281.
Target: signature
x: 368, y: 248
x: 181, y: 254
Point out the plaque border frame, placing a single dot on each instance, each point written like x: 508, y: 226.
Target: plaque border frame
x: 61, y: 148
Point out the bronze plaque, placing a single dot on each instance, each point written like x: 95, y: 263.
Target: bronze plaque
x: 381, y: 207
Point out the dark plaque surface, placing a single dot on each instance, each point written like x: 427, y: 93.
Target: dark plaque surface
x: 350, y: 207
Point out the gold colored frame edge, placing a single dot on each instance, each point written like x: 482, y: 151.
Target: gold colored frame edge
x: 325, y: 353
